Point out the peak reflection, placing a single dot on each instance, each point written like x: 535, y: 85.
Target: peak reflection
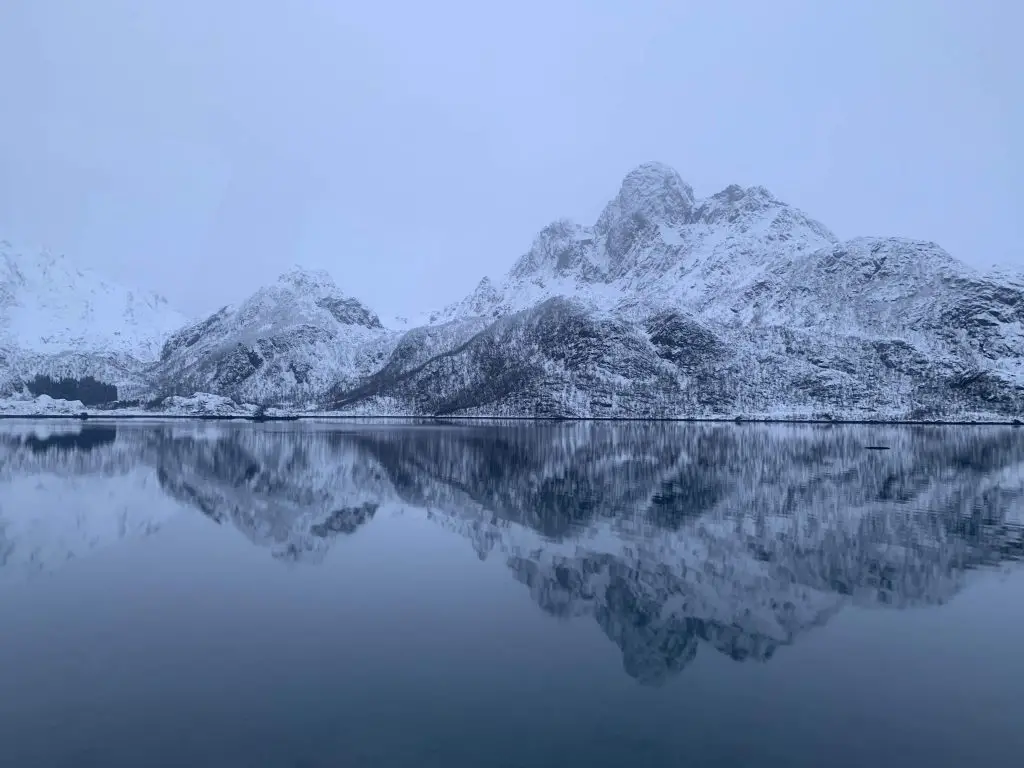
x: 668, y: 537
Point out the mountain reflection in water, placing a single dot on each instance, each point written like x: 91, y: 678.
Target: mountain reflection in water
x: 670, y: 537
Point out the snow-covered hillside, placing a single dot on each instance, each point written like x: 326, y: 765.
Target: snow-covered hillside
x: 669, y: 305
x: 48, y: 306
x: 735, y: 305
x: 60, y: 321
x: 289, y: 342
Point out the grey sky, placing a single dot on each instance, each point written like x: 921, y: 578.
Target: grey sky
x: 201, y: 147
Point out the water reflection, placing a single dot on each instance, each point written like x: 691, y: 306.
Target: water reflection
x: 669, y: 537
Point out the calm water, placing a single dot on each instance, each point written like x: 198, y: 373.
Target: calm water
x: 530, y: 595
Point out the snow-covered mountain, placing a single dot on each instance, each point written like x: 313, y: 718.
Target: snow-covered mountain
x: 671, y: 538
x: 654, y: 247
x: 58, y: 320
x: 735, y: 305
x: 291, y: 342
x: 49, y: 306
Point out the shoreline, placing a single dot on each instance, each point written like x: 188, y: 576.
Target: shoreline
x: 738, y: 421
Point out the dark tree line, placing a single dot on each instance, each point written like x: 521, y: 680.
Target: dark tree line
x: 86, y: 389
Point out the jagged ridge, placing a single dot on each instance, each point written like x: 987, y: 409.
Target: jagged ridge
x: 667, y: 306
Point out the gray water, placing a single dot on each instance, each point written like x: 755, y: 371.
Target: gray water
x: 518, y: 595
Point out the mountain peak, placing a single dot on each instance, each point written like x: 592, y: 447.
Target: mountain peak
x: 306, y: 279
x: 653, y: 191
x: 300, y: 294
x: 652, y: 169
x: 740, y: 207
x: 561, y: 248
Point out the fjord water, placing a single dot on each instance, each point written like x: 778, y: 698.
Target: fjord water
x: 510, y: 595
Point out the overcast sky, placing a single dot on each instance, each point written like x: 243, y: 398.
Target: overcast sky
x: 201, y: 147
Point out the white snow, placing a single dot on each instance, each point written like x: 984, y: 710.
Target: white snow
x: 43, y: 405
x: 775, y: 287
x: 47, y: 305
x: 307, y: 334
x: 695, y: 266
x: 205, y: 404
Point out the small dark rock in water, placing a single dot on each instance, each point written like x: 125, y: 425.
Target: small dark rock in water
x: 876, y: 447
x: 1017, y: 423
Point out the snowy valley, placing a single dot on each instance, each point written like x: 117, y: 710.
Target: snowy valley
x: 668, y: 306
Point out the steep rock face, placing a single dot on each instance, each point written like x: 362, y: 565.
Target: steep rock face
x: 560, y: 359
x: 286, y: 344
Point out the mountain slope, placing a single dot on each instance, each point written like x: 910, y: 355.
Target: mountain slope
x: 653, y: 247
x: 287, y: 343
x: 734, y: 305
x: 558, y: 359
x: 48, y: 306
x: 61, y: 321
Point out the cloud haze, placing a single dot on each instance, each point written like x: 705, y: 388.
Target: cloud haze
x: 200, y: 148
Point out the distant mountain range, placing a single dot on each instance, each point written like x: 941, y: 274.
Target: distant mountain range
x: 737, y: 305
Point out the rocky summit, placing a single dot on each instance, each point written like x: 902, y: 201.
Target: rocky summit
x: 668, y: 306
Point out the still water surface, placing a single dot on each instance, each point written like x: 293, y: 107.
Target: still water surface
x: 524, y: 595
